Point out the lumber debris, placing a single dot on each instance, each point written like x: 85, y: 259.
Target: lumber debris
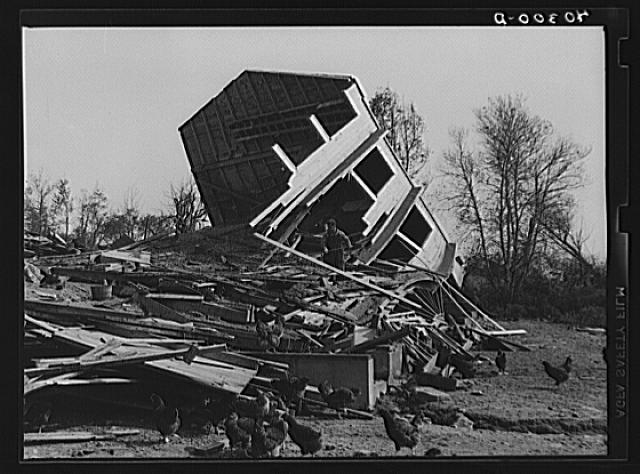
x: 75, y: 436
x: 203, y: 324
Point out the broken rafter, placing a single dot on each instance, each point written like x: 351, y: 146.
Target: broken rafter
x: 348, y: 275
x: 399, y: 334
x: 470, y: 303
x: 114, y: 361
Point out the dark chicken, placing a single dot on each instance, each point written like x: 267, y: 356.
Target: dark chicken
x: 269, y: 336
x: 556, y: 373
x: 37, y: 415
x: 267, y: 441
x: 263, y: 330
x: 400, y: 431
x: 418, y: 419
x: 292, y: 390
x: 277, y: 408
x: 219, y: 409
x: 306, y: 438
x: 432, y: 453
x: 256, y: 409
x: 167, y: 419
x: 463, y: 366
x: 501, y: 361
x: 339, y: 399
x: 277, y: 330
x: 238, y: 432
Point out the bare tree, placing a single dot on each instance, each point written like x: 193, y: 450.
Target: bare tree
x: 93, y: 216
x: 152, y: 224
x: 188, y: 209
x: 567, y: 237
x: 131, y: 212
x: 37, y: 203
x: 507, y: 192
x: 63, y: 204
x: 405, y: 129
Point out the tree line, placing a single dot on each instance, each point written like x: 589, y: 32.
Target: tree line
x: 88, y: 219
x: 510, y: 183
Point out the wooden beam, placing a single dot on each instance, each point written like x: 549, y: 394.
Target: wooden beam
x: 33, y: 385
x: 96, y: 352
x: 202, y: 370
x: 153, y: 307
x: 504, y: 341
x: 326, y: 266
x: 74, y: 436
x: 405, y: 331
x: 80, y: 365
x: 470, y: 303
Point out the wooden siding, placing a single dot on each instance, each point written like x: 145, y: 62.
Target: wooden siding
x: 229, y: 140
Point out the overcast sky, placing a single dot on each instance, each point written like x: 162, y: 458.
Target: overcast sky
x: 103, y: 105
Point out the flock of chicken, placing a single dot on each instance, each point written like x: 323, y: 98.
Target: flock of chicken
x: 258, y: 428
x: 559, y: 374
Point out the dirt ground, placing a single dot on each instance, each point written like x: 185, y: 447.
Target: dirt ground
x: 519, y: 413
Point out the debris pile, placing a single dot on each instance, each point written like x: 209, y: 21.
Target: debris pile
x: 248, y: 308
x: 226, y: 325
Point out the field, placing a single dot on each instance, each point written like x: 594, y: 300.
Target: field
x: 518, y: 413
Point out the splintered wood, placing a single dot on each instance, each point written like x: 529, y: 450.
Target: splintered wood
x: 192, y: 325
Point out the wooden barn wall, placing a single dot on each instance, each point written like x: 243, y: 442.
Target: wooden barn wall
x: 326, y: 159
x: 229, y: 141
x: 433, y: 249
x: 392, y: 193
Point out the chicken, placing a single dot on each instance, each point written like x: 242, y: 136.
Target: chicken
x: 443, y: 357
x: 279, y: 403
x: 256, y: 409
x: 269, y: 336
x: 418, y: 420
x: 276, y: 435
x: 432, y: 453
x: 219, y: 409
x: 37, y: 414
x: 237, y: 431
x: 556, y: 373
x: 277, y: 408
x: 264, y: 331
x: 196, y: 416
x: 568, y: 364
x: 267, y: 441
x: 306, y: 438
x: 292, y: 390
x: 501, y: 361
x: 399, y: 430
x: 277, y: 330
x: 167, y: 419
x: 262, y: 405
x: 339, y: 399
x: 463, y: 366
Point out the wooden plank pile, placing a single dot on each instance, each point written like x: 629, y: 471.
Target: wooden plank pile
x: 40, y: 245
x: 159, y: 314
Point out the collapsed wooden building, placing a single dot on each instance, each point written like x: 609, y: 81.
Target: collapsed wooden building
x: 285, y: 151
